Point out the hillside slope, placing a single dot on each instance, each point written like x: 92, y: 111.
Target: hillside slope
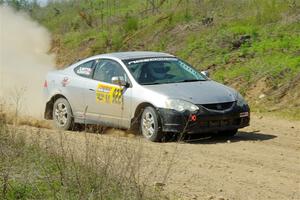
x: 252, y: 45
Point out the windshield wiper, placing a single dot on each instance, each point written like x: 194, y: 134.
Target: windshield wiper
x: 155, y: 83
x: 190, y: 80
x: 187, y: 80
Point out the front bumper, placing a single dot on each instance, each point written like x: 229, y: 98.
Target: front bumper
x: 204, y: 121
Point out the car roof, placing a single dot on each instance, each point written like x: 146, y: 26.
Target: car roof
x: 136, y: 55
x: 129, y: 55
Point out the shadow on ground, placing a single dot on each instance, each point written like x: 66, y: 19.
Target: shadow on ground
x: 239, y: 137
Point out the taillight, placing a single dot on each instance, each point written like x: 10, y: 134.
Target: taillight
x: 45, y: 84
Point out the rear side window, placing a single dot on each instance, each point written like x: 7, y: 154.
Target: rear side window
x: 85, y: 69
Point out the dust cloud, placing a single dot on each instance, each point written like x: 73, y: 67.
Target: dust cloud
x: 24, y: 61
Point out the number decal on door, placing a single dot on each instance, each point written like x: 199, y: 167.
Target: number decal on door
x: 109, y: 94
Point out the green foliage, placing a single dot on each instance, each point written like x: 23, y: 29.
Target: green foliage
x: 21, y: 4
x: 237, y: 40
x: 131, y: 24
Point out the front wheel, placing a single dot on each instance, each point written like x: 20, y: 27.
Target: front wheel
x: 62, y: 114
x: 150, y: 125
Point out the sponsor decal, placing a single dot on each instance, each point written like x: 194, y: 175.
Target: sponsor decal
x: 109, y: 94
x: 151, y: 59
x: 65, y: 81
x: 84, y: 71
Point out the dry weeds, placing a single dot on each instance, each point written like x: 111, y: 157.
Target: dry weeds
x: 35, y: 165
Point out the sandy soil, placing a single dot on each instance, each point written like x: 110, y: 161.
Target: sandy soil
x: 261, y: 162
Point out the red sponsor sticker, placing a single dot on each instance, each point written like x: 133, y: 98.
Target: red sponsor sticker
x: 65, y: 81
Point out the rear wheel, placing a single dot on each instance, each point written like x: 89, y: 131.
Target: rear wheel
x: 228, y: 133
x: 150, y: 125
x: 62, y: 114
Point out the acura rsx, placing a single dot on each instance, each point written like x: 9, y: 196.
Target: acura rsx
x: 154, y: 93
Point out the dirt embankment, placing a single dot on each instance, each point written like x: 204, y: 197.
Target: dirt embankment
x: 261, y: 162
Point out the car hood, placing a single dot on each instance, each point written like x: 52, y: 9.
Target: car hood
x: 200, y: 92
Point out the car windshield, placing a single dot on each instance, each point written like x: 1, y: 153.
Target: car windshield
x: 150, y: 71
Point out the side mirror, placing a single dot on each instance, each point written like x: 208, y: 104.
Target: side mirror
x: 119, y: 80
x: 205, y: 73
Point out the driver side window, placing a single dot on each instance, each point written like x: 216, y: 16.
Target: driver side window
x: 106, y: 69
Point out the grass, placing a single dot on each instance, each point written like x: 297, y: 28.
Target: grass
x: 239, y: 42
x: 37, y: 167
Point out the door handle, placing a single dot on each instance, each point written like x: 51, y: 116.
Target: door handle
x: 92, y: 90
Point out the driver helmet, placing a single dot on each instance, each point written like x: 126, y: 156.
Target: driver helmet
x: 157, y: 70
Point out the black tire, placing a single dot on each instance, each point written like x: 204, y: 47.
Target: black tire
x: 150, y: 125
x: 228, y: 133
x: 62, y: 114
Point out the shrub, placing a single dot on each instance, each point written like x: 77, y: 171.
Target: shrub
x: 130, y: 24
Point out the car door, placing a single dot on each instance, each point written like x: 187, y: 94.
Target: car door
x: 75, y: 87
x: 108, y: 103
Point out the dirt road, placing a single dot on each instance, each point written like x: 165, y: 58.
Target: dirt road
x: 261, y: 162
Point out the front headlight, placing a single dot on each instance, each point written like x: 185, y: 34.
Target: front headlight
x: 240, y: 100
x: 181, y: 105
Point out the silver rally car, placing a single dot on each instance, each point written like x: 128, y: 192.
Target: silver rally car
x: 155, y: 93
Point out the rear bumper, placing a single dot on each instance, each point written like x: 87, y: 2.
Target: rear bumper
x: 205, y: 121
